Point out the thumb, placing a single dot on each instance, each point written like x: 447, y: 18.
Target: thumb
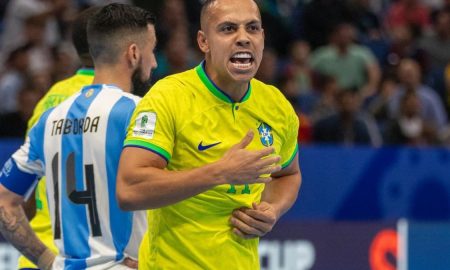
x: 246, y: 140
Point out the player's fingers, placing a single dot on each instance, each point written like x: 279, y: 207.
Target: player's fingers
x: 243, y: 235
x: 245, y: 228
x: 258, y: 224
x: 269, y: 169
x: 245, y: 141
x: 264, y: 162
x: 259, y: 215
x: 264, y: 152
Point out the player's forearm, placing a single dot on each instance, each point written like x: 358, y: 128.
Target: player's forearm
x: 16, y: 229
x: 150, y: 187
x: 282, y: 192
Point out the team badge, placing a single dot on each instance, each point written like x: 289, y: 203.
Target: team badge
x: 145, y: 125
x: 265, y: 134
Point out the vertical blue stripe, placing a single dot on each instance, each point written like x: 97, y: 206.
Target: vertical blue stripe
x: 120, y: 221
x: 75, y: 226
x: 36, y: 136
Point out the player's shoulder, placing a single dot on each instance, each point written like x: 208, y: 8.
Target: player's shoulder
x: 129, y: 96
x: 269, y: 96
x: 272, y: 93
x: 176, y: 85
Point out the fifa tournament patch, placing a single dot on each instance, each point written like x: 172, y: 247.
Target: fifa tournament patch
x: 145, y: 125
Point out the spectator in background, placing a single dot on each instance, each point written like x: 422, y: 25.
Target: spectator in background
x: 326, y: 87
x: 354, y: 66
x: 409, y: 127
x: 299, y: 65
x: 348, y: 125
x: 437, y: 44
x: 402, y: 45
x: 432, y: 109
x: 268, y: 69
x: 41, y: 57
x: 11, y: 81
x: 436, y: 48
x: 408, y: 13
x: 18, y: 11
x: 319, y: 19
x: 177, y: 55
x: 378, y: 106
x: 14, y: 124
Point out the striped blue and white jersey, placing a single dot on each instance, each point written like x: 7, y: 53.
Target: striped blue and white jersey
x: 77, y: 145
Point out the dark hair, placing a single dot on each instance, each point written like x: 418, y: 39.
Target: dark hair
x: 114, y: 23
x: 79, y: 34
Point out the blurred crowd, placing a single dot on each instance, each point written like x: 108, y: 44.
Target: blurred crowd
x: 358, y: 72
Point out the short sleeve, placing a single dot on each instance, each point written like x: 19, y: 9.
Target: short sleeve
x: 152, y: 125
x: 290, y: 146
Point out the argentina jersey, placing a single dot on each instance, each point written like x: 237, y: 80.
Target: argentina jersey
x: 77, y: 145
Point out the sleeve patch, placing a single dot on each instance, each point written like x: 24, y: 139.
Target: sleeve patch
x: 145, y: 124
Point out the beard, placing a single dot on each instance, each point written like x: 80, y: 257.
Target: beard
x: 140, y: 86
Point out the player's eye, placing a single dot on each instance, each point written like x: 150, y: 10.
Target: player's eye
x: 227, y: 28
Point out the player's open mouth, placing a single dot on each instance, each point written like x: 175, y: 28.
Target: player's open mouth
x: 242, y: 60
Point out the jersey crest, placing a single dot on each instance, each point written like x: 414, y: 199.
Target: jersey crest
x: 265, y: 134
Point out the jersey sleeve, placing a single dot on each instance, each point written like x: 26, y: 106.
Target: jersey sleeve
x: 152, y: 125
x: 290, y: 146
x: 21, y: 172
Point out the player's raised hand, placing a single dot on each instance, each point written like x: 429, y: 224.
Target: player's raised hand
x: 242, y: 166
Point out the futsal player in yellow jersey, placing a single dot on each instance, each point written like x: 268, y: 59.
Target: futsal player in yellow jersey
x: 213, y: 151
x: 59, y: 92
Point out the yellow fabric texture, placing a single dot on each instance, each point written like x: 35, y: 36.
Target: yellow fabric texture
x: 187, y: 120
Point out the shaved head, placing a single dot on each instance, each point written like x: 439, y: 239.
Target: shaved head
x: 206, y: 8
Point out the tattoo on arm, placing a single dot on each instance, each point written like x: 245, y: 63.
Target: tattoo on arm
x: 16, y: 229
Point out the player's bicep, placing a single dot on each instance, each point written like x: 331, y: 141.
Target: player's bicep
x: 134, y: 164
x: 9, y: 198
x: 136, y: 157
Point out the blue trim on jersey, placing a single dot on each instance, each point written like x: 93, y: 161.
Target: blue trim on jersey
x: 15, y: 180
x: 203, y: 64
x: 146, y: 148
x: 36, y: 135
x: 120, y: 221
x: 75, y: 226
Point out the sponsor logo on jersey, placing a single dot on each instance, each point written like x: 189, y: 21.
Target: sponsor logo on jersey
x: 203, y: 147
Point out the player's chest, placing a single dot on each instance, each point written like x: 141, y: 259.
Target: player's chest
x: 207, y: 135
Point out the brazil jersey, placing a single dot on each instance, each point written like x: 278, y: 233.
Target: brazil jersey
x: 58, y: 93
x: 187, y: 120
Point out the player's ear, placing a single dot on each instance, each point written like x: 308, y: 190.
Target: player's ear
x: 202, y: 41
x: 133, y: 54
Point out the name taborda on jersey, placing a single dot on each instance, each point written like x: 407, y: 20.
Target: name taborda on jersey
x: 75, y: 125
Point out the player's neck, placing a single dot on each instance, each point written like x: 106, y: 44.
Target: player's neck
x: 112, y: 75
x: 234, y: 89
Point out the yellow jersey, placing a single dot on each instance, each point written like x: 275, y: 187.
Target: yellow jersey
x: 59, y: 92
x: 186, y: 119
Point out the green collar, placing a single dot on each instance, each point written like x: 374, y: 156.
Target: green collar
x: 85, y: 71
x: 214, y: 89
